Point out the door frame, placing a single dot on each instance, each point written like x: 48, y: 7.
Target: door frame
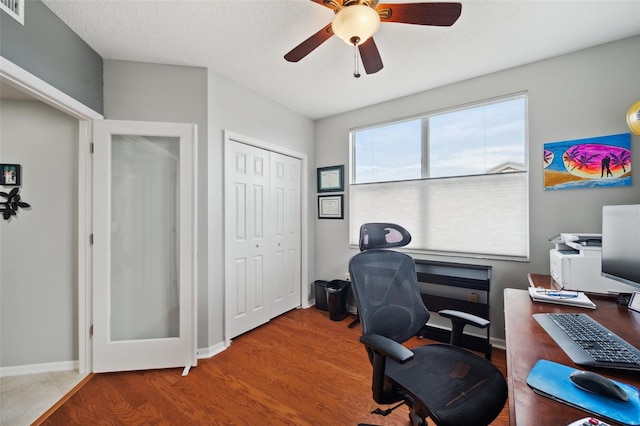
x: 26, y: 82
x: 230, y: 136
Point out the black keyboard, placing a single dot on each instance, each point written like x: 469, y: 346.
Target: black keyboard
x: 587, y: 342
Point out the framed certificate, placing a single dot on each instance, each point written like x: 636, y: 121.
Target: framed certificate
x: 331, y: 179
x: 330, y: 207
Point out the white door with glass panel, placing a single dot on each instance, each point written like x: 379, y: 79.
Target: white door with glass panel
x: 144, y: 245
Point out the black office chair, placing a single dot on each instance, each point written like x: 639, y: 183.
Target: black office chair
x: 444, y: 382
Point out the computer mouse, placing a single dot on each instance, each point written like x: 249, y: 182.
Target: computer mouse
x: 599, y: 385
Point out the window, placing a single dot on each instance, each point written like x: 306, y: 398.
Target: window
x: 456, y: 179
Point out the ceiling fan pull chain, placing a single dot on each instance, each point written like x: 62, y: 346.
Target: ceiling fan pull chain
x: 356, y: 71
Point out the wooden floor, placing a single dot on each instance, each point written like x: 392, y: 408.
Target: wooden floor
x: 300, y: 369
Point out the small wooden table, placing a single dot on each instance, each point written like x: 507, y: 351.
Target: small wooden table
x: 527, y: 342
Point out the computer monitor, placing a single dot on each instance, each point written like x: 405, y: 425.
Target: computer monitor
x: 621, y: 243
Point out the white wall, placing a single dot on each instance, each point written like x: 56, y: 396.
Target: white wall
x: 140, y: 91
x: 580, y: 95
x: 38, y: 247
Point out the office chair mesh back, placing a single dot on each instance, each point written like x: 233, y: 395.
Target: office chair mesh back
x: 389, y: 301
x: 449, y: 384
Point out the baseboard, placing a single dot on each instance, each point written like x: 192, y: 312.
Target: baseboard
x: 204, y: 353
x: 498, y: 343
x: 21, y: 370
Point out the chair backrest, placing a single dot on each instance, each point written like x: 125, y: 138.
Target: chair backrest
x: 383, y: 235
x: 385, y: 285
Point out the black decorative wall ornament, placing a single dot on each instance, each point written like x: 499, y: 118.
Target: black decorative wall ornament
x: 10, y: 207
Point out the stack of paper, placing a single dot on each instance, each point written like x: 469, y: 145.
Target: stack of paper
x: 561, y: 297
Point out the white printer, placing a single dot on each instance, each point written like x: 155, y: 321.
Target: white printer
x: 575, y: 264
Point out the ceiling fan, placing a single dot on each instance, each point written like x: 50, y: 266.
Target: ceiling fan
x: 356, y: 21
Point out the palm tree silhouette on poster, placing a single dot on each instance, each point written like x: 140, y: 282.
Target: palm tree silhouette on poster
x: 623, y: 160
x: 580, y: 159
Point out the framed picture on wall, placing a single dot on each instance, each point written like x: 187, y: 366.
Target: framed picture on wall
x: 331, y: 179
x: 330, y: 207
x: 598, y: 162
x: 10, y: 174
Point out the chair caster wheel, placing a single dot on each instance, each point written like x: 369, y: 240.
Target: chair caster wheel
x: 415, y: 420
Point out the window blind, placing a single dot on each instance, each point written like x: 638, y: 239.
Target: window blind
x: 484, y: 215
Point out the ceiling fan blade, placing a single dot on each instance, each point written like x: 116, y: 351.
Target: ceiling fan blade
x: 322, y: 2
x: 370, y: 56
x: 307, y: 46
x: 439, y: 14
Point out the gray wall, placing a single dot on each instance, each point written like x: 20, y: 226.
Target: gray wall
x: 578, y: 95
x: 48, y: 49
x: 38, y: 247
x: 235, y: 108
x: 574, y: 96
x: 151, y: 92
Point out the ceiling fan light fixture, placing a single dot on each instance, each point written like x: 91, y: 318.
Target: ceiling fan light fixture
x: 356, y: 24
x: 633, y: 118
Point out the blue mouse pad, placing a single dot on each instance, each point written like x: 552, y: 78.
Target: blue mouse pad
x: 552, y: 380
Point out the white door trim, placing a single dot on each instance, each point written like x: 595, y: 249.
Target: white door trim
x: 304, y: 210
x: 23, y: 80
x: 43, y: 91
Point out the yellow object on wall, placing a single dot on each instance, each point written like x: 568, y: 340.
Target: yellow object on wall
x: 633, y: 118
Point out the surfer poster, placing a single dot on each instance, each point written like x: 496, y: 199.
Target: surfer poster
x: 588, y: 163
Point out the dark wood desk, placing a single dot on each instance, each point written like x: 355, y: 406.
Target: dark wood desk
x: 527, y: 342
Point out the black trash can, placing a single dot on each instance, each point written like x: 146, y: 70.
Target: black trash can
x: 321, y: 295
x: 337, y: 297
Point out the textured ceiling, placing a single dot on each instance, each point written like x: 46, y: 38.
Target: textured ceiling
x: 246, y: 40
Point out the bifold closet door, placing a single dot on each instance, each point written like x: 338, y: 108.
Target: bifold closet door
x: 262, y: 236
x: 285, y: 201
x: 248, y: 240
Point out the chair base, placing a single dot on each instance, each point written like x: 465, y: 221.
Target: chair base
x: 416, y: 420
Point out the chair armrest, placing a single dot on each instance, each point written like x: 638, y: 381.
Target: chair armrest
x: 464, y: 318
x: 387, y: 347
x: 459, y: 320
x: 380, y: 348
